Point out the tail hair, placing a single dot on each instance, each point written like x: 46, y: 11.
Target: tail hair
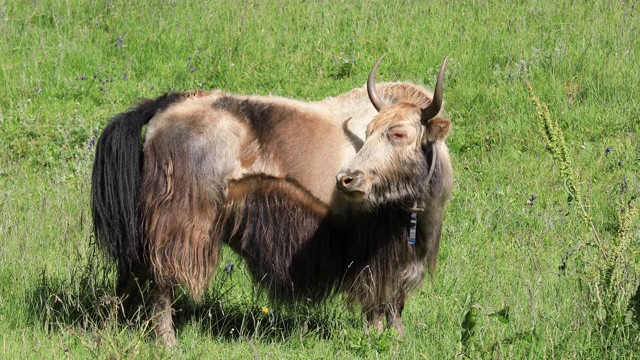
x: 115, y: 182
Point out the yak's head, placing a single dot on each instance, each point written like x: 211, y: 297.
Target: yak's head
x: 398, y: 157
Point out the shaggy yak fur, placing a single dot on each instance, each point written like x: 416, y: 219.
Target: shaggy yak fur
x: 317, y: 197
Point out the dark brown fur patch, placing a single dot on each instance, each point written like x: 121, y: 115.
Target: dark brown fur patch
x: 297, y: 249
x: 278, y: 227
x: 258, y: 114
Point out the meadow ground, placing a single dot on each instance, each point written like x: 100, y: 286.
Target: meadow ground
x: 539, y: 257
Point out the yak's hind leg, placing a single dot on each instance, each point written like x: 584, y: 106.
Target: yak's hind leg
x: 162, y: 318
x: 188, y: 260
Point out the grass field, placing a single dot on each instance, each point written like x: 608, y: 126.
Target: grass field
x: 540, y: 252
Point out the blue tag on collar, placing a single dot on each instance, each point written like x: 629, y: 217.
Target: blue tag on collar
x: 412, y: 228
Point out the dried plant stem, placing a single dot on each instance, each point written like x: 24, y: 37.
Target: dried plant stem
x: 587, y: 218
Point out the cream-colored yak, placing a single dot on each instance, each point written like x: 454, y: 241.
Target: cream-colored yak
x: 344, y: 195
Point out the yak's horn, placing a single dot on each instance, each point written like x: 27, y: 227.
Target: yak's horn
x: 433, y: 109
x: 376, y: 101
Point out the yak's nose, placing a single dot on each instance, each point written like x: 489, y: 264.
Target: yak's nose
x: 349, y: 180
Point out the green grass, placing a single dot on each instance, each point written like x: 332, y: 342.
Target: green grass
x: 514, y: 280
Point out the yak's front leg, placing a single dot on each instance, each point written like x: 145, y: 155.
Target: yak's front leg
x: 394, y: 314
x: 161, y: 298
x: 375, y: 316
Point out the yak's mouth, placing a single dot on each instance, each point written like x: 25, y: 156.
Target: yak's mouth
x: 352, y: 195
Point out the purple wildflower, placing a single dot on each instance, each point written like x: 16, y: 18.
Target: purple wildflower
x: 607, y: 151
x: 228, y: 269
x: 530, y: 201
x: 91, y: 143
x: 118, y: 42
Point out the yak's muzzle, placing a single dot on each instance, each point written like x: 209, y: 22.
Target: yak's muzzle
x: 350, y: 182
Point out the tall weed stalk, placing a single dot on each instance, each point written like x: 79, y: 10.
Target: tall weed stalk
x: 613, y: 274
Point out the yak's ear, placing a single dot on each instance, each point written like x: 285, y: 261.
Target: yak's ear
x: 438, y: 128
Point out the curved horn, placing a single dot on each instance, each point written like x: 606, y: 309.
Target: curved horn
x: 376, y: 101
x: 433, y: 109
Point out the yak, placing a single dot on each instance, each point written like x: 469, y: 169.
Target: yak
x: 340, y: 196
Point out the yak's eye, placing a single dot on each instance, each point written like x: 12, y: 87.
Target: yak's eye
x: 397, y: 134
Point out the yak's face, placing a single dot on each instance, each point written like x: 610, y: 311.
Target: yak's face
x: 392, y: 166
x: 395, y: 164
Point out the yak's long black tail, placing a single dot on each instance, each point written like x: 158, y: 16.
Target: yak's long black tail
x: 115, y: 183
